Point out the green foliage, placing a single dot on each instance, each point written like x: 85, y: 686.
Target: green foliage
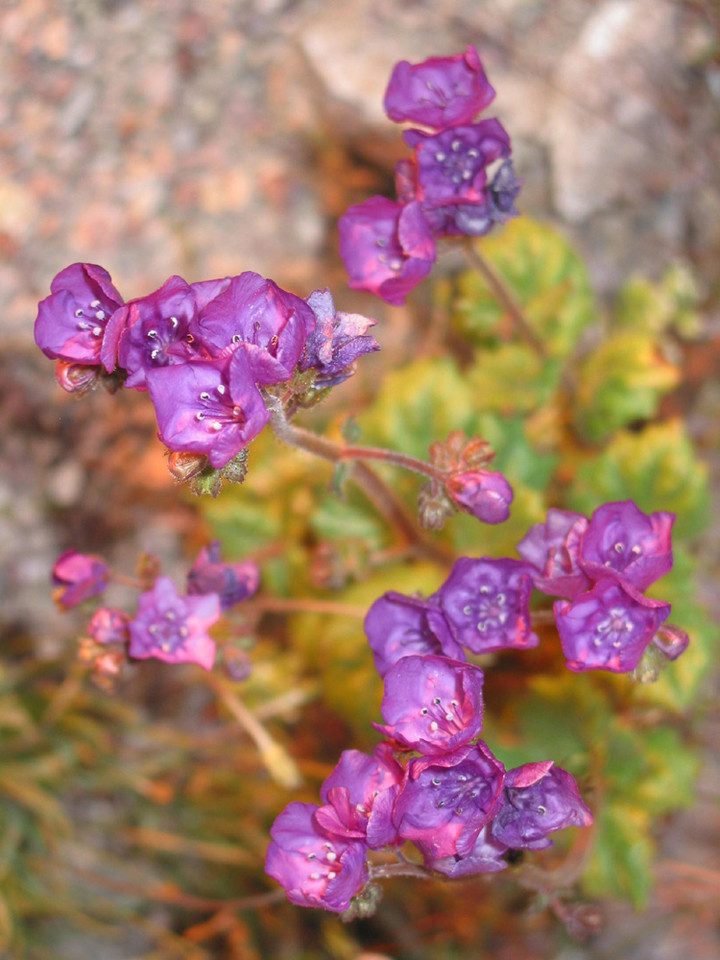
x: 546, y: 276
x: 619, y: 382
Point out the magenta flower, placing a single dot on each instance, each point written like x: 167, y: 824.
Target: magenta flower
x: 608, y: 627
x: 71, y: 322
x: 451, y: 165
x: 358, y: 797
x: 155, y: 331
x: 336, y: 342
x: 439, y: 92
x: 484, y: 494
x: 445, y: 801
x: 108, y: 625
x: 232, y: 582
x: 538, y: 799
x: 486, y: 856
x: 623, y: 542
x: 174, y: 628
x: 77, y: 577
x: 208, y: 406
x: 271, y: 324
x: 398, y: 626
x: 317, y: 869
x: 552, y: 548
x: 387, y: 247
x: 486, y: 601
x: 432, y: 704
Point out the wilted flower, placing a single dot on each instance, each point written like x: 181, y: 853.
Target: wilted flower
x: 232, y: 582
x: 552, y: 549
x: 337, y: 340
x: 108, y: 625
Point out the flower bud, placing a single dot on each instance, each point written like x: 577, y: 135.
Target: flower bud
x: 485, y: 495
x: 235, y: 470
x: 434, y: 508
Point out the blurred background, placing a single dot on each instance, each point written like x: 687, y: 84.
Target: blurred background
x: 206, y: 139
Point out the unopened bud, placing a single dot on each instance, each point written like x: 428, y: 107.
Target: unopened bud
x: 363, y: 904
x: 207, y: 483
x: 77, y: 378
x: 236, y: 469
x: 237, y: 663
x: 485, y: 495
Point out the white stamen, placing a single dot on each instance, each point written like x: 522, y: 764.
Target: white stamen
x: 94, y: 303
x: 174, y: 321
x: 199, y: 415
x: 221, y: 388
x: 215, y: 426
x: 100, y: 315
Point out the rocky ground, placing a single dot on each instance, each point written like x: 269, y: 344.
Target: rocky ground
x: 207, y: 139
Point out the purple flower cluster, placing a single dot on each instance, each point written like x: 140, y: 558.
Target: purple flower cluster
x: 203, y: 350
x: 601, y: 566
x: 167, y: 625
x: 458, y: 182
x: 455, y: 802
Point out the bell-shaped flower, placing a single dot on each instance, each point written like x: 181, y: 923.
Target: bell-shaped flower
x: 208, y: 406
x: 359, y: 794
x: 398, y: 626
x: 486, y: 602
x: 439, y: 92
x: 78, y: 576
x: 552, y: 549
x: 174, y: 628
x: 538, y: 799
x: 387, y: 247
x: 623, y: 542
x: 156, y: 331
x: 445, y: 801
x: 317, y: 869
x: 270, y: 324
x: 432, y: 704
x: 71, y: 322
x: 232, y: 582
x: 608, y: 627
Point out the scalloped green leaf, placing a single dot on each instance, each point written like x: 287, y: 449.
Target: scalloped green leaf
x: 623, y: 851
x: 620, y: 381
x: 546, y: 277
x: 512, y: 378
x: 653, y: 308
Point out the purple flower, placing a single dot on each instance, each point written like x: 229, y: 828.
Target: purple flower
x: 71, y: 322
x: 232, y: 582
x: 270, y: 324
x: 317, y: 869
x: 445, y: 801
x: 156, y: 331
x: 77, y: 577
x: 440, y: 91
x: 552, y: 548
x: 174, y: 628
x: 451, y: 178
x: 484, y: 494
x: 501, y: 193
x: 538, y: 799
x: 487, y: 603
x: 208, y: 406
x: 387, y: 247
x: 359, y: 796
x: 623, y: 542
x: 432, y: 704
x: 397, y: 626
x: 608, y: 627
x: 108, y: 625
x: 486, y: 856
x: 336, y: 342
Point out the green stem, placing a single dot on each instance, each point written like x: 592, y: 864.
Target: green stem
x: 505, y: 298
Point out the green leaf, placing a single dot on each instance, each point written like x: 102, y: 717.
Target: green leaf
x: 620, y: 381
x: 543, y: 273
x: 656, y: 468
x: 512, y: 378
x: 653, y: 308
x: 621, y: 864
